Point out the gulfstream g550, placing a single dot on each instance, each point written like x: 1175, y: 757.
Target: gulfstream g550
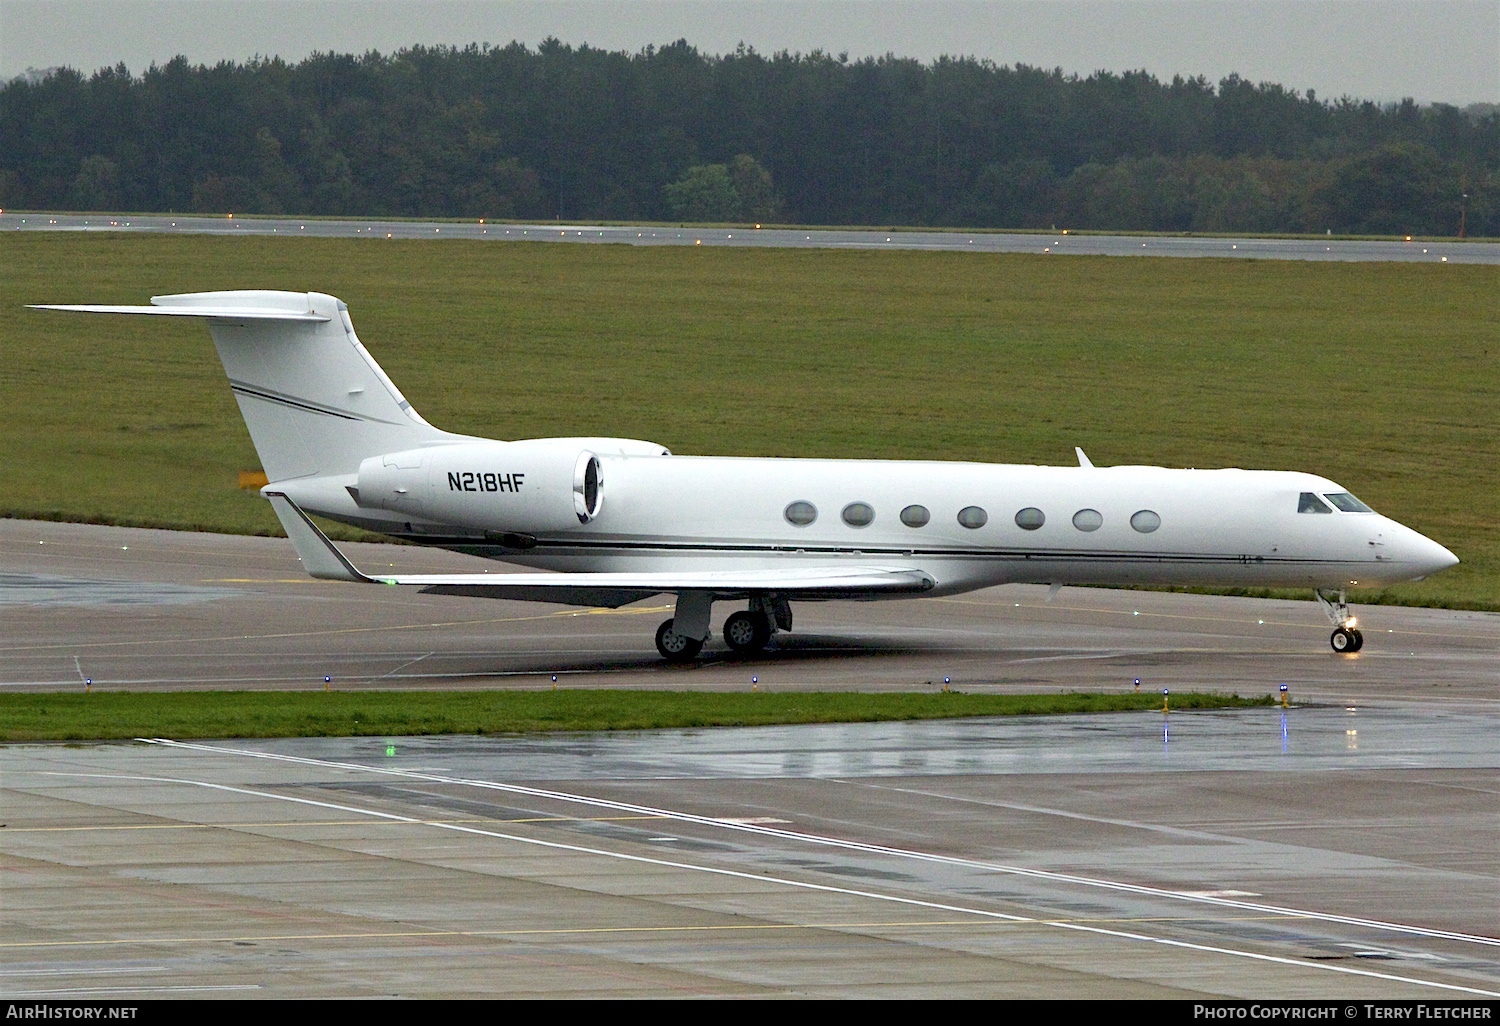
x: 618, y: 520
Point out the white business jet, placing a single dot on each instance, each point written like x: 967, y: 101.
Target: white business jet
x: 618, y: 520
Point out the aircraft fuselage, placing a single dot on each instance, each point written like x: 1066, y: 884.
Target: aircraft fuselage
x: 1083, y: 525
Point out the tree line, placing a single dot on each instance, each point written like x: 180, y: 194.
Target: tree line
x: 672, y: 133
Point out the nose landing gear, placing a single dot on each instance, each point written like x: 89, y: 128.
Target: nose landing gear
x: 1345, y: 637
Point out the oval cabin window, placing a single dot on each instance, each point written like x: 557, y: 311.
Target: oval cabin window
x: 1030, y: 518
x: 973, y: 517
x: 801, y: 513
x: 1145, y: 521
x: 915, y: 516
x: 1088, y: 520
x: 859, y: 514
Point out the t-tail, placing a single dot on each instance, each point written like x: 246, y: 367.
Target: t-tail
x: 336, y: 436
x: 315, y: 401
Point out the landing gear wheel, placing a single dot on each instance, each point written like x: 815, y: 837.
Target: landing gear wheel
x: 675, y: 648
x: 1345, y: 638
x: 747, y: 632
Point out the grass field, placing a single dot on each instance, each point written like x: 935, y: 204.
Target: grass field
x: 194, y: 714
x: 1380, y: 376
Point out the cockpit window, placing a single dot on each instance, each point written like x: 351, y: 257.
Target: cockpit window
x: 1310, y: 503
x: 1348, y: 503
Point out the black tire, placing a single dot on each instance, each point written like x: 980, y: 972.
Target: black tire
x: 747, y: 632
x: 1359, y: 639
x: 1342, y: 640
x: 674, y: 648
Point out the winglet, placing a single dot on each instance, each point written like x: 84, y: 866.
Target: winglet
x: 1083, y: 461
x: 319, y: 557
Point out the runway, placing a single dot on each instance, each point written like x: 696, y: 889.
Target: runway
x: 1345, y: 848
x: 1049, y: 243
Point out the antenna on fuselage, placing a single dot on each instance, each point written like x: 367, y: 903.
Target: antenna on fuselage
x: 1083, y: 461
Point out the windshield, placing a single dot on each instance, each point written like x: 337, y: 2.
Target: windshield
x: 1310, y: 503
x: 1348, y: 503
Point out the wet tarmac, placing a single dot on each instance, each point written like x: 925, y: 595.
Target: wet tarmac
x: 1298, y: 740
x: 1054, y: 242
x: 47, y: 590
x: 1348, y: 846
x: 773, y: 861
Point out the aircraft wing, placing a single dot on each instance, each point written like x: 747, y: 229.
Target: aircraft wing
x: 322, y: 559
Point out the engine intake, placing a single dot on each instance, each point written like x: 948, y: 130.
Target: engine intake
x: 588, y: 487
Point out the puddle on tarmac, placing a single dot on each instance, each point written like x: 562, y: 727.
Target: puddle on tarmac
x: 45, y: 590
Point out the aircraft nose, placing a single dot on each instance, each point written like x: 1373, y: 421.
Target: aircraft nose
x: 1428, y: 557
x: 1410, y: 551
x: 1441, y: 558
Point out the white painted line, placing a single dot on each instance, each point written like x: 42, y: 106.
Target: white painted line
x: 750, y: 820
x: 1219, y: 894
x: 81, y: 991
x: 860, y: 846
x: 91, y: 971
x: 982, y: 913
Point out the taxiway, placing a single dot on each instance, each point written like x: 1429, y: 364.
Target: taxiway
x: 1344, y: 847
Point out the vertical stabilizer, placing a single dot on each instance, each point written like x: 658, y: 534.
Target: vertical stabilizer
x: 314, y: 400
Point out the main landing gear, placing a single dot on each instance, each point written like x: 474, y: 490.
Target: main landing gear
x: 745, y: 632
x: 750, y: 631
x: 675, y: 647
x: 1345, y: 637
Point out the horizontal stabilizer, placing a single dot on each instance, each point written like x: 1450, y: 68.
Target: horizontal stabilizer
x: 229, y: 313
x: 322, y: 559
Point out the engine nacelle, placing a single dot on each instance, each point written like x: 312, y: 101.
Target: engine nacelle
x: 534, y: 487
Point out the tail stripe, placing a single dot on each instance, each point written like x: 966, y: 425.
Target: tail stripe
x: 295, y: 404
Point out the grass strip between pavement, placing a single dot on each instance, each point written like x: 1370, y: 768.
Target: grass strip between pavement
x: 224, y: 714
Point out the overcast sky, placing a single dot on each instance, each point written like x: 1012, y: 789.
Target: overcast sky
x: 1433, y: 50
